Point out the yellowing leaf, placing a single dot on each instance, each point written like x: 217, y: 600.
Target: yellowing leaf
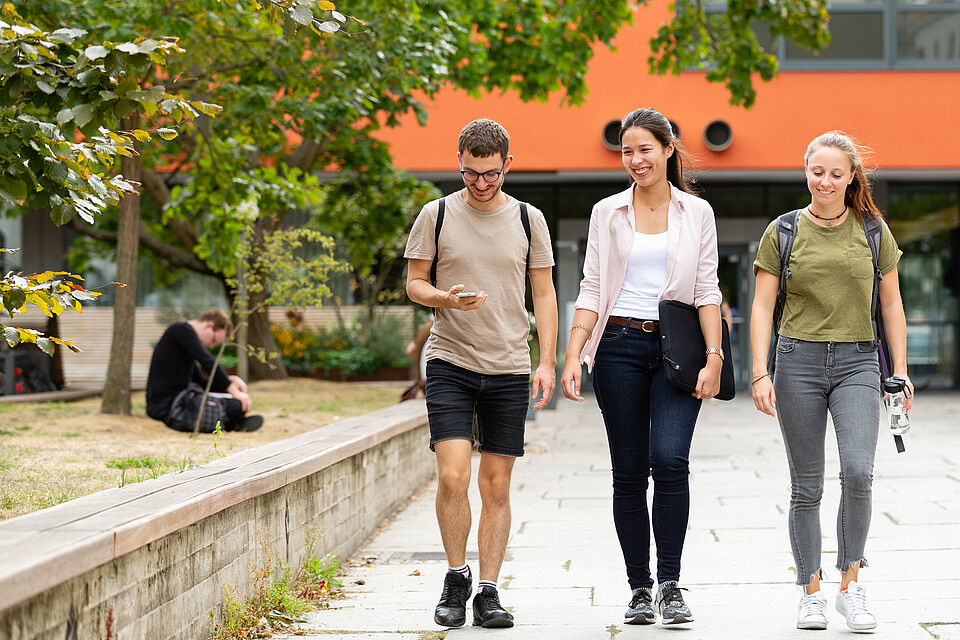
x: 325, y: 5
x: 141, y: 135
x: 167, y: 134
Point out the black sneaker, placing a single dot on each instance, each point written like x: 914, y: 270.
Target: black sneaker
x: 488, y: 613
x: 452, y: 608
x: 670, y: 604
x: 250, y: 423
x: 640, y: 610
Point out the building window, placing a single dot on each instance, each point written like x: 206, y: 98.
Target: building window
x: 925, y: 220
x: 929, y: 35
x: 874, y: 34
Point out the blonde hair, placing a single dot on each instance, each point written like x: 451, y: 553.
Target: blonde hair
x: 857, y: 195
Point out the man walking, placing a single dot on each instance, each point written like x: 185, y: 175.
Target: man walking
x: 469, y: 254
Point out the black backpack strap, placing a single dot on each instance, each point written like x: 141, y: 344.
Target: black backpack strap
x: 525, y: 221
x: 436, y: 241
x: 872, y: 227
x: 786, y: 234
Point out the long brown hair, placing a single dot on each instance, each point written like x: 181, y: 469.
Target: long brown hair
x: 657, y: 124
x: 857, y: 196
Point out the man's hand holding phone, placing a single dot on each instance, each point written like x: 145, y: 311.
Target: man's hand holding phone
x: 458, y: 298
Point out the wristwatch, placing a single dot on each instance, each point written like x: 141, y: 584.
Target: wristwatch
x: 715, y: 350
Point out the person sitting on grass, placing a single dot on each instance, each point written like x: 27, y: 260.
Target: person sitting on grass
x: 175, y: 384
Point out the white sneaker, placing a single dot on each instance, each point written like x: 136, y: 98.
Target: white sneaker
x: 852, y: 603
x: 812, y: 611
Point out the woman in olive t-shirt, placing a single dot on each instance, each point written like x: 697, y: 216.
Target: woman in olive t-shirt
x: 827, y: 360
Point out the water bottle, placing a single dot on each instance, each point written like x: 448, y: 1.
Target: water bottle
x: 899, y: 420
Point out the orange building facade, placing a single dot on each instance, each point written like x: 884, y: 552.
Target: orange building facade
x: 899, y: 95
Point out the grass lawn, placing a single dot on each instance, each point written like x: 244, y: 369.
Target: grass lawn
x: 54, y: 452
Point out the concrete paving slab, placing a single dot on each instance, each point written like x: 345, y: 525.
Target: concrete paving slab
x: 564, y: 578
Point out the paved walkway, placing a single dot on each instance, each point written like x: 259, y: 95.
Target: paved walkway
x: 564, y: 578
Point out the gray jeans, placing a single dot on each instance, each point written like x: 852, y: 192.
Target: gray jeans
x: 843, y: 378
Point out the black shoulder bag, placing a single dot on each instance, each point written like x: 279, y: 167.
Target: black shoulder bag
x: 685, y: 350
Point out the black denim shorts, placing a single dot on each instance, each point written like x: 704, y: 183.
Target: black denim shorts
x: 455, y: 394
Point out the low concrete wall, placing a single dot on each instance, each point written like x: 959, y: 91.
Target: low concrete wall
x: 150, y: 560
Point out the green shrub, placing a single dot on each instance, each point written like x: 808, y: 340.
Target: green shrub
x: 361, y: 347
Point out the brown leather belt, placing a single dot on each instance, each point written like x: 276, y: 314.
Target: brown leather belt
x: 650, y: 326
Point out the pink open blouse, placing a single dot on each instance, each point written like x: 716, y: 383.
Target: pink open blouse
x: 692, y: 257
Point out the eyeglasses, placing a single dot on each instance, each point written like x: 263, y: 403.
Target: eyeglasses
x: 488, y: 176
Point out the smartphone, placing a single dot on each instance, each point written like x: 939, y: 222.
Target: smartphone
x: 467, y: 294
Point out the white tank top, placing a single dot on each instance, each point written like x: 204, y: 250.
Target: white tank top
x: 646, y: 272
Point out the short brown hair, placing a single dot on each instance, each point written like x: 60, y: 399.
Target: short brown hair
x: 217, y: 317
x: 484, y: 138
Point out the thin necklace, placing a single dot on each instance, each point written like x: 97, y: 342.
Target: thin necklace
x: 656, y: 206
x: 829, y: 221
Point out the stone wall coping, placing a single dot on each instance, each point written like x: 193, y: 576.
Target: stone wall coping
x: 43, y: 549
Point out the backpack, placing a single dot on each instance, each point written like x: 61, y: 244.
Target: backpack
x: 786, y: 234
x: 524, y: 220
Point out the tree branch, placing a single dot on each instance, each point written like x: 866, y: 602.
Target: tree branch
x: 157, y: 187
x: 165, y: 252
x: 305, y: 155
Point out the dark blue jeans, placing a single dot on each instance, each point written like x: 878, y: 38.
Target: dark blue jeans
x: 649, y: 426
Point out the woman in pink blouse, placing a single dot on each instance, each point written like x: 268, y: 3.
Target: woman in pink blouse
x: 654, y: 241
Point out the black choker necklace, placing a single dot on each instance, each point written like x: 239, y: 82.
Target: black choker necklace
x: 829, y: 221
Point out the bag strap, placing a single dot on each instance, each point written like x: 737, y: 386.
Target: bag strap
x: 786, y: 235
x: 524, y: 220
x: 872, y: 227
x: 436, y: 241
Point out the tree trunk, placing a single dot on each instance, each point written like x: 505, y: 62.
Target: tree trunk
x: 116, y: 395
x: 260, y: 336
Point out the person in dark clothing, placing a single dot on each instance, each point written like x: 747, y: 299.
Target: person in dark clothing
x: 175, y: 377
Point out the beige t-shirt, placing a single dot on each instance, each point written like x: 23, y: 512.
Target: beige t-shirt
x: 484, y: 251
x: 831, y: 284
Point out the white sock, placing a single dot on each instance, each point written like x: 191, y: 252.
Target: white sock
x: 486, y: 583
x: 464, y: 570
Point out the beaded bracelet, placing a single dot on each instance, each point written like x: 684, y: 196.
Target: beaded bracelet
x: 580, y: 326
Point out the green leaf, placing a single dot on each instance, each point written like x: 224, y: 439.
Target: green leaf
x: 11, y: 335
x: 14, y: 299
x: 55, y: 170
x: 64, y: 116
x: 95, y: 52
x: 16, y: 188
x: 61, y: 214
x: 45, y: 345
x: 301, y: 14
x: 67, y: 36
x: 45, y: 87
x: 329, y: 26
x: 82, y: 114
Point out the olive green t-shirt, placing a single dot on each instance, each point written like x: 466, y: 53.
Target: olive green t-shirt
x: 831, y: 285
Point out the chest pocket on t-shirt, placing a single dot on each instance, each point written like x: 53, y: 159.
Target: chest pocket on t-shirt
x: 860, y: 263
